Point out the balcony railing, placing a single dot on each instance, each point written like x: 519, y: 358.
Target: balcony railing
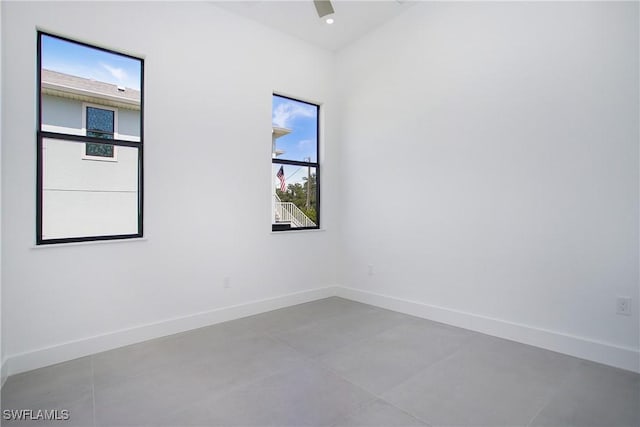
x: 288, y: 212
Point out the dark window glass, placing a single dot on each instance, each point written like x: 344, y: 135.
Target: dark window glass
x: 99, y: 150
x: 100, y: 123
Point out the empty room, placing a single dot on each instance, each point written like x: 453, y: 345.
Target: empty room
x: 320, y: 213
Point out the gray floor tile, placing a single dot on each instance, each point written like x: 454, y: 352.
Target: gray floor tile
x: 379, y: 414
x: 489, y: 382
x: 111, y: 367
x: 146, y: 398
x: 328, y: 335
x: 50, y: 387
x: 386, y: 359
x: 143, y: 399
x: 305, y: 314
x: 595, y: 396
x: 305, y: 396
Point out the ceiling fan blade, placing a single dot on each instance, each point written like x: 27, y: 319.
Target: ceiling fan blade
x: 323, y: 7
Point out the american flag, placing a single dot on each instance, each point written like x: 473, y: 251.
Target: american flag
x: 280, y: 175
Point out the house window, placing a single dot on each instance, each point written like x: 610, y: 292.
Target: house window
x: 90, y: 101
x: 99, y: 150
x: 100, y: 122
x: 295, y: 165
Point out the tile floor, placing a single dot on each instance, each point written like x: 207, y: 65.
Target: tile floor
x: 331, y: 362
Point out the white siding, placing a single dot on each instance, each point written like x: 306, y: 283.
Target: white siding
x: 82, y: 196
x: 88, y: 197
x: 128, y: 124
x: 62, y: 115
x: 65, y: 115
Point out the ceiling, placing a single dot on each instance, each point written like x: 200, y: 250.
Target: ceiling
x: 298, y: 18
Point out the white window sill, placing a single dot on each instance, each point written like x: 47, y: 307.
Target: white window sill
x: 89, y: 243
x: 293, y: 231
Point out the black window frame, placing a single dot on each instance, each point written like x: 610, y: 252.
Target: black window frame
x: 41, y: 135
x: 316, y: 165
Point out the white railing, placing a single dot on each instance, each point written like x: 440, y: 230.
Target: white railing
x: 289, y: 212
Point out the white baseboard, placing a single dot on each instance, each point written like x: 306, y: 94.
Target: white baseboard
x: 584, y: 348
x: 601, y: 352
x: 79, y: 348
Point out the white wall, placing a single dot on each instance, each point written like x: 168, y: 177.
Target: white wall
x: 209, y: 77
x: 491, y: 164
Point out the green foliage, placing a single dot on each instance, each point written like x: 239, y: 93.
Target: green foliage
x: 297, y: 194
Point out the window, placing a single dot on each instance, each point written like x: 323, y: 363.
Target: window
x: 295, y: 165
x: 90, y: 106
x: 100, y: 122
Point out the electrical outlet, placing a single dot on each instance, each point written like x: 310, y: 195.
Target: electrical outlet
x: 623, y: 306
x: 370, y: 269
x: 226, y: 282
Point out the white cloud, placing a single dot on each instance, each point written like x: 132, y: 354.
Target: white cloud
x: 285, y: 113
x: 117, y: 73
x: 305, y: 143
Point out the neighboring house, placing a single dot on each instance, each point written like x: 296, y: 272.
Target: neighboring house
x: 99, y: 181
x: 277, y: 132
x: 65, y: 99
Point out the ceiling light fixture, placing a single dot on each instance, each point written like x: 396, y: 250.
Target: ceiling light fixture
x: 329, y: 21
x: 324, y: 8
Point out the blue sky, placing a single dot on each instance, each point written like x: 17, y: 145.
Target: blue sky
x: 79, y: 60
x: 301, y: 119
